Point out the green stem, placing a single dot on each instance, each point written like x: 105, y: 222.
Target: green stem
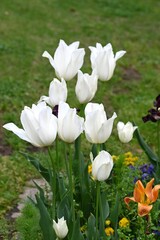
x: 71, y: 184
x: 53, y: 183
x: 57, y: 155
x: 97, y: 203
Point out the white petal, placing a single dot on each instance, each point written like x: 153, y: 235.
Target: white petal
x: 18, y: 131
x: 119, y: 54
x: 47, y: 55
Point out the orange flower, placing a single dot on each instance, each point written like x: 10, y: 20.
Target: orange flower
x: 144, y: 197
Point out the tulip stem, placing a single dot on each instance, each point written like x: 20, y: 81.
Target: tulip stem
x: 97, y: 204
x: 53, y: 183
x: 71, y: 184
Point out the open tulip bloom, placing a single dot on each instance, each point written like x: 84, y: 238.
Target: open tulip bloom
x: 57, y: 93
x: 144, y: 196
x: 103, y: 60
x: 97, y: 127
x: 39, y: 125
x: 68, y: 59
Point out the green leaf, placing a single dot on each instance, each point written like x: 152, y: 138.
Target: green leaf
x: 42, y: 170
x: 91, y: 228
x: 105, y: 206
x: 115, y: 214
x: 151, y: 155
x: 77, y: 235
x: 45, y: 222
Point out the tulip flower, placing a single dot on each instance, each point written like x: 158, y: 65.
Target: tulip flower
x: 125, y: 131
x: 60, y: 228
x: 86, y: 86
x: 57, y: 93
x: 102, y: 166
x: 39, y: 125
x: 144, y: 196
x: 70, y: 125
x: 97, y: 127
x: 67, y: 59
x: 103, y: 60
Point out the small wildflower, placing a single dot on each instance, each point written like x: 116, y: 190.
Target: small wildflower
x: 90, y: 168
x: 124, y: 222
x: 107, y: 222
x: 109, y: 231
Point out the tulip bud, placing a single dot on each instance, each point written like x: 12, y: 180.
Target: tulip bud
x: 125, y: 131
x: 60, y: 228
x: 86, y: 86
x: 39, y: 125
x: 103, y: 60
x: 70, y: 125
x: 57, y: 92
x: 102, y: 166
x: 68, y: 59
x: 97, y: 127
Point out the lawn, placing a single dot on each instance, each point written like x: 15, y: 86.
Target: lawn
x: 30, y: 27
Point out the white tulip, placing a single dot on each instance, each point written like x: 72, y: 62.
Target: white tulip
x: 125, y: 131
x: 68, y: 59
x: 102, y: 166
x: 103, y: 60
x: 57, y: 93
x: 97, y: 127
x: 60, y: 228
x: 86, y: 86
x: 39, y: 125
x: 70, y: 125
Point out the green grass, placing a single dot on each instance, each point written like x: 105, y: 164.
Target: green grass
x: 30, y: 27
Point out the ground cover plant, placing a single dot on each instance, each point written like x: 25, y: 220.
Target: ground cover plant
x: 129, y: 93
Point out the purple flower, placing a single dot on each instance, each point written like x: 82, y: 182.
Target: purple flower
x: 154, y: 113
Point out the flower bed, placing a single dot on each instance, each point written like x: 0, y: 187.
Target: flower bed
x: 94, y: 194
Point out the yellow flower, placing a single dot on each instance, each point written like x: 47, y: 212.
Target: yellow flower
x: 114, y: 157
x: 124, y: 222
x: 128, y: 154
x: 107, y: 222
x: 109, y: 231
x: 89, y: 168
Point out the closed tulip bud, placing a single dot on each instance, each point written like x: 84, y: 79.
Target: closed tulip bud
x: 102, y: 166
x: 70, y: 125
x: 125, y: 131
x: 103, y: 60
x: 97, y: 127
x: 57, y: 93
x: 86, y: 86
x: 61, y: 228
x: 39, y: 125
x: 68, y: 59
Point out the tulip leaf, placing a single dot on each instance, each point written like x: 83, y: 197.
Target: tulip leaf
x: 91, y: 228
x: 42, y: 170
x: 45, y: 220
x: 76, y: 231
x: 115, y: 214
x: 151, y: 155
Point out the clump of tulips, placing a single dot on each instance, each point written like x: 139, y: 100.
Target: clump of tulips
x: 79, y: 198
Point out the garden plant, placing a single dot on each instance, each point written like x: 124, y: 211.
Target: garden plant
x: 93, y: 193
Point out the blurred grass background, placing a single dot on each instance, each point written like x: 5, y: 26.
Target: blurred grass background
x: 28, y: 28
